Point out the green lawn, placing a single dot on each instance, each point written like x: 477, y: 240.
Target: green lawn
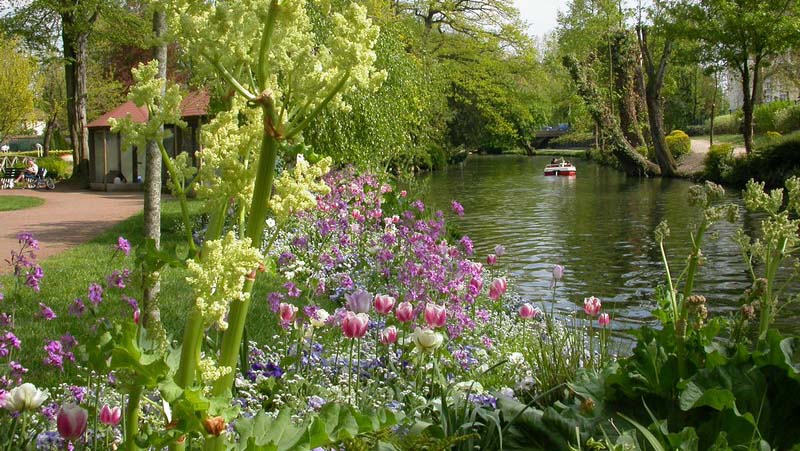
x: 738, y: 140
x: 9, y: 203
x: 68, y: 275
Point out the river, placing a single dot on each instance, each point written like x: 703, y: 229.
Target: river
x: 599, y: 226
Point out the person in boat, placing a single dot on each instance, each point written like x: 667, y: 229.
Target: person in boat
x: 554, y: 161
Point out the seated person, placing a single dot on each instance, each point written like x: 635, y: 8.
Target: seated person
x: 30, y: 168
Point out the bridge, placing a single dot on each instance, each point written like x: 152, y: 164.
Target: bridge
x: 543, y: 136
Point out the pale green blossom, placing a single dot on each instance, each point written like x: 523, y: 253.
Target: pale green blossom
x: 210, y: 372
x: 218, y: 278
x: 297, y: 189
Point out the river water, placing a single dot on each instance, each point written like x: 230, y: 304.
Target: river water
x: 599, y: 226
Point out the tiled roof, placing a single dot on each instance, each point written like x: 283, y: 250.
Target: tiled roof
x: 194, y: 104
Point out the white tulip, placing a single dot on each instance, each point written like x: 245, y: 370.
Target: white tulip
x: 321, y: 316
x: 25, y: 397
x: 426, y: 339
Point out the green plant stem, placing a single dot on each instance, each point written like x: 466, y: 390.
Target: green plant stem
x: 266, y: 43
x: 773, y: 263
x: 132, y: 419
x: 190, y: 352
x: 181, y: 193
x: 688, y: 287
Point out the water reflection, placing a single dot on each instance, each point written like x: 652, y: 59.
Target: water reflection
x: 599, y: 225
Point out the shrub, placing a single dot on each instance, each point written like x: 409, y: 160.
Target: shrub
x: 679, y: 143
x: 764, y: 115
x: 772, y: 164
x: 788, y: 119
x: 56, y: 167
x: 730, y: 124
x: 696, y: 130
x: 718, y: 162
x: 573, y: 140
x: 773, y: 136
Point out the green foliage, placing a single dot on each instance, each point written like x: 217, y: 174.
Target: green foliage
x: 728, y: 124
x: 16, y: 80
x: 765, y: 117
x: 788, y: 119
x: 773, y: 163
x: 679, y: 143
x: 56, y: 167
x: 718, y: 162
x: 573, y: 140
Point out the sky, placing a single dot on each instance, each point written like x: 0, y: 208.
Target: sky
x: 541, y: 15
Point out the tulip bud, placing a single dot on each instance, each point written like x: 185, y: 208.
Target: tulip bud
x: 592, y: 306
x: 355, y: 325
x: 404, y: 312
x: 497, y: 288
x: 499, y: 250
x: 491, y: 259
x: 389, y: 335
x: 558, y: 272
x: 287, y: 312
x: 110, y: 416
x: 71, y: 421
x: 426, y: 339
x: 604, y: 320
x: 527, y: 311
x: 435, y: 315
x: 384, y: 303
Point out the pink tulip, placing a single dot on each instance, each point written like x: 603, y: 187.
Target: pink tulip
x: 604, y: 320
x: 287, y: 312
x: 435, y: 315
x: 404, y: 312
x: 403, y: 193
x: 592, y: 306
x: 527, y: 311
x: 355, y: 325
x: 389, y: 335
x: 136, y: 315
x: 384, y: 303
x: 558, y: 272
x: 110, y: 416
x: 491, y: 259
x: 497, y: 288
x: 499, y: 250
x: 71, y: 421
x: 476, y: 284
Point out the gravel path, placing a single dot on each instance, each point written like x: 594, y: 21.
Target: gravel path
x: 67, y: 218
x: 694, y: 162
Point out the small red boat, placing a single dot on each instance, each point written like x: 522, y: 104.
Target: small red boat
x: 563, y: 168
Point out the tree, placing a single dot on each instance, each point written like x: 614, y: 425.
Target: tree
x: 51, y: 100
x: 746, y: 35
x: 16, y: 81
x: 632, y: 162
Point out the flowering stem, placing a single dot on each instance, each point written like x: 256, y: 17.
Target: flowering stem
x: 232, y: 338
x: 193, y: 335
x: 132, y: 418
x: 180, y: 191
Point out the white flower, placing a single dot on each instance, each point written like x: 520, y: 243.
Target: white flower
x: 426, y: 339
x: 516, y: 358
x: 474, y: 387
x: 270, y: 223
x: 25, y: 397
x: 321, y: 316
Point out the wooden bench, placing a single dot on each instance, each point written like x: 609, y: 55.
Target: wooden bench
x: 9, y: 175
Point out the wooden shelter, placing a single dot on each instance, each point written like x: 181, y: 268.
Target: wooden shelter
x: 115, y: 168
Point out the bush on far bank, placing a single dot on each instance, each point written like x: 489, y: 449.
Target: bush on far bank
x: 772, y: 163
x: 679, y: 143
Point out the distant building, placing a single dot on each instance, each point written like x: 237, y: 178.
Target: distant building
x: 115, y: 168
x: 774, y: 88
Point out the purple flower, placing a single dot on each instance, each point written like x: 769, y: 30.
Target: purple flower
x: 123, y: 245
x: 358, y: 301
x: 50, y: 411
x: 286, y: 258
x: 131, y: 302
x: 274, y: 300
x: 5, y: 320
x: 95, y: 294
x: 315, y: 402
x: 118, y: 279
x: 68, y: 341
x: 291, y: 290
x: 458, y: 209
x: 56, y: 354
x: 77, y: 308
x: 79, y: 393
x: 466, y: 242
x: 46, y: 312
x: 26, y: 239
x: 33, y: 278
x: 418, y: 205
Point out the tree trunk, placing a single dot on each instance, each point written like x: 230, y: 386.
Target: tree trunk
x: 152, y: 187
x: 625, y: 88
x: 655, y: 80
x: 747, y: 107
x: 47, y: 138
x: 75, y: 42
x: 631, y: 161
